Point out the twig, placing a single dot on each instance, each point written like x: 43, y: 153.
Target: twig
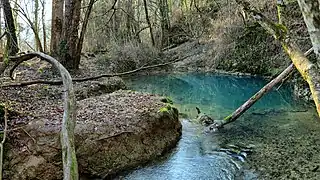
x: 29, y: 135
x: 3, y: 138
x: 59, y: 82
x: 3, y: 35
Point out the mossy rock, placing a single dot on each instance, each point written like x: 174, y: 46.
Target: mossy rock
x: 166, y: 100
x: 114, y: 132
x: 170, y: 110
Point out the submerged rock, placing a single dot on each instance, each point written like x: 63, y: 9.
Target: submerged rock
x: 204, y: 119
x: 113, y: 132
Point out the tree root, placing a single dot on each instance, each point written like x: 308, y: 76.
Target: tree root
x: 70, y: 166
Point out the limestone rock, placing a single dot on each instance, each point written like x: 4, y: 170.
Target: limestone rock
x: 114, y: 132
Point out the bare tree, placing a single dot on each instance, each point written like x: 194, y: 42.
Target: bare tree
x: 32, y: 23
x: 36, y: 25
x: 56, y: 26
x: 12, y: 41
x: 83, y: 30
x: 165, y: 23
x: 148, y: 21
x: 44, y: 32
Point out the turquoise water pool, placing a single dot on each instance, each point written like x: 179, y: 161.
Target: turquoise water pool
x: 283, y: 130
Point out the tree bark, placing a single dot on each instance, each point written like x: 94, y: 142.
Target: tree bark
x: 311, y: 14
x: 70, y: 30
x: 56, y: 27
x: 44, y: 31
x: 83, y: 31
x: 12, y: 41
x: 165, y: 23
x: 36, y: 24
x: 149, y: 22
x: 1, y: 46
x: 70, y: 166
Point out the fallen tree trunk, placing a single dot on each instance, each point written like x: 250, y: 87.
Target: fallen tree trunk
x: 309, y: 71
x: 244, y: 107
x: 70, y: 166
x: 22, y: 58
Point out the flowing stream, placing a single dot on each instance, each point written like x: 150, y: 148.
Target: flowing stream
x: 276, y: 139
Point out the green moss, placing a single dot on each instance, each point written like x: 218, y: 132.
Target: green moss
x: 167, y: 108
x: 40, y: 70
x: 228, y: 117
x: 170, y: 110
x: 166, y: 100
x: 74, y: 166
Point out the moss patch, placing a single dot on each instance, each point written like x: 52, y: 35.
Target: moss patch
x: 166, y: 100
x: 169, y: 110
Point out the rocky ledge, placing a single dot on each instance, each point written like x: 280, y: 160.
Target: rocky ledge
x: 114, y: 132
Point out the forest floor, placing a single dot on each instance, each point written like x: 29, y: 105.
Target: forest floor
x: 41, y: 100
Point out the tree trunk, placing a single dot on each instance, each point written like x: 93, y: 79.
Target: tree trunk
x: 12, y: 42
x: 129, y: 16
x: 56, y: 27
x: 69, y: 42
x: 36, y: 24
x: 44, y: 27
x: 311, y: 14
x: 136, y: 24
x: 83, y: 31
x: 149, y: 22
x: 1, y: 44
x: 165, y: 24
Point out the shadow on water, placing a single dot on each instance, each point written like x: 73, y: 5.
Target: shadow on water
x: 284, y: 132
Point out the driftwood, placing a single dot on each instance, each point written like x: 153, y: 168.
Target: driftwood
x: 70, y: 166
x: 244, y: 107
x: 22, y: 58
